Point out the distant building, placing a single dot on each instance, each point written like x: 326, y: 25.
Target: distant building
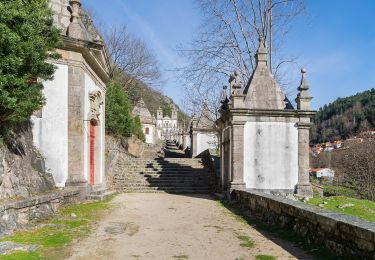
x: 147, y: 120
x: 166, y: 126
x: 203, y: 133
x: 323, y: 173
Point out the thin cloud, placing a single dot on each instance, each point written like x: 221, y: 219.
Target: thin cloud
x: 163, y: 51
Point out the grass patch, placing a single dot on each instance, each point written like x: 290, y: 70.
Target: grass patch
x: 20, y: 255
x: 265, y: 257
x: 332, y: 190
x: 362, y: 208
x: 246, y: 241
x: 180, y: 257
x: 299, y: 241
x: 53, y: 236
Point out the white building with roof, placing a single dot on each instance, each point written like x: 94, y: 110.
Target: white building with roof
x: 166, y: 126
x: 69, y: 129
x: 147, y: 120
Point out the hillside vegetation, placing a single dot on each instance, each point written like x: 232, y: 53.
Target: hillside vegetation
x: 153, y: 99
x: 345, y: 117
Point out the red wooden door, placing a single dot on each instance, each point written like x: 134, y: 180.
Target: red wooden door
x: 92, y: 153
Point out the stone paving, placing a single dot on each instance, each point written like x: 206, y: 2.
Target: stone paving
x: 166, y: 226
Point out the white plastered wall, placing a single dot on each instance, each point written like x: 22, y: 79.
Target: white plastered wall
x: 151, y: 133
x: 90, y: 85
x: 206, y: 141
x: 270, y: 155
x: 50, y: 132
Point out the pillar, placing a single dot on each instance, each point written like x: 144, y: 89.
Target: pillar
x: 76, y: 125
x: 237, y: 160
x: 304, y: 187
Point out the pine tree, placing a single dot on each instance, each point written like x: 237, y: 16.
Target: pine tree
x: 27, y: 39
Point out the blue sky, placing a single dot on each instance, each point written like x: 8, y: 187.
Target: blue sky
x: 335, y: 42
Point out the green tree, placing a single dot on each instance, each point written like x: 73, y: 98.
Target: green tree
x: 27, y: 39
x: 167, y: 110
x: 118, y: 110
x: 137, y: 129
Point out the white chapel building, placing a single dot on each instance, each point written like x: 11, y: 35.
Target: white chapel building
x: 166, y: 126
x: 69, y: 130
x: 147, y: 121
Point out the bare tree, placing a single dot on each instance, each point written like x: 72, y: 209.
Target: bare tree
x: 357, y: 163
x: 131, y: 56
x: 227, y: 41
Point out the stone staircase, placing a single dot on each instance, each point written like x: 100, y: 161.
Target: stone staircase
x: 173, y: 173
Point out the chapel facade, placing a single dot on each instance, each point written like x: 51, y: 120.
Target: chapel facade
x: 69, y: 130
x: 166, y: 126
x: 264, y: 140
x: 147, y: 120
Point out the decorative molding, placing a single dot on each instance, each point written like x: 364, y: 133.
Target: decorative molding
x: 96, y: 101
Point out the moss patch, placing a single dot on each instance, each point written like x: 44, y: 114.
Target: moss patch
x: 246, y: 241
x: 55, y: 235
x: 361, y: 208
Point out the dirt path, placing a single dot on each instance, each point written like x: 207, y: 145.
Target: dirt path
x: 164, y: 226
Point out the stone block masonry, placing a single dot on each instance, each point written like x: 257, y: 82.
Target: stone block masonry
x: 18, y: 214
x: 347, y: 236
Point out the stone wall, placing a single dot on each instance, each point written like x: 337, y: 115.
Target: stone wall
x: 22, y: 169
x: 347, y: 236
x: 18, y: 214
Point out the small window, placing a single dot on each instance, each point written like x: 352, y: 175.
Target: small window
x: 147, y: 130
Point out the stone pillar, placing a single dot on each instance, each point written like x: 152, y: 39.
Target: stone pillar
x: 222, y: 166
x: 304, y: 187
x: 194, y: 143
x: 237, y: 160
x: 76, y: 126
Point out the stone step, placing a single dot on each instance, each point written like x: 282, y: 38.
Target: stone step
x: 187, y: 182
x: 164, y: 185
x: 99, y: 196
x: 175, y: 169
x: 161, y: 176
x: 172, y: 190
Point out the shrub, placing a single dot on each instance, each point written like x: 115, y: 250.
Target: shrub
x: 118, y: 114
x: 119, y: 121
x: 137, y: 129
x: 27, y: 39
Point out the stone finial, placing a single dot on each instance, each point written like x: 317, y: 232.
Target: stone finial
x: 224, y: 100
x: 235, y: 83
x: 262, y: 53
x: 224, y: 94
x: 75, y: 29
x: 303, y: 99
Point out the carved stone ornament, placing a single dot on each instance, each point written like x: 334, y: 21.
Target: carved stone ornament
x: 96, y: 101
x: 235, y: 83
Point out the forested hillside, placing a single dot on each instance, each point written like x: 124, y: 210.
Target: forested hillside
x: 152, y: 98
x: 345, y: 117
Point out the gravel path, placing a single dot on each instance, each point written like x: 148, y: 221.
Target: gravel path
x: 164, y: 226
